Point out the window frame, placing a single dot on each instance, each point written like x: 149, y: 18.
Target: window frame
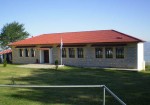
x: 20, y: 52
x: 26, y: 52
x: 98, y: 53
x: 120, y: 54
x: 71, y: 52
x: 32, y: 52
x: 109, y: 54
x: 64, y: 53
x: 80, y: 52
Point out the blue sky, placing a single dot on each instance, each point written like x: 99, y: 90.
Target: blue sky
x: 50, y: 16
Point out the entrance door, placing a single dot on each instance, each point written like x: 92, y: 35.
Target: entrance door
x: 46, y: 56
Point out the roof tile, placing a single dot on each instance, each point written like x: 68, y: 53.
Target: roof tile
x: 6, y: 51
x: 99, y: 36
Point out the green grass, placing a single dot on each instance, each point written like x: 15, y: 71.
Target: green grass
x: 131, y: 87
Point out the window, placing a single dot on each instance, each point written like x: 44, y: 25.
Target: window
x: 120, y: 52
x: 26, y: 52
x: 64, y: 52
x: 109, y: 52
x: 71, y: 52
x: 98, y: 52
x: 21, y: 52
x: 80, y: 52
x: 32, y: 52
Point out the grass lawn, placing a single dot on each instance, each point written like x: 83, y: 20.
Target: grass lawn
x: 132, y: 87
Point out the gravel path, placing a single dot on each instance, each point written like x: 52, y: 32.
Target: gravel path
x: 38, y: 66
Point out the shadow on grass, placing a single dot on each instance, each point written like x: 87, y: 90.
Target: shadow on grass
x: 132, y: 87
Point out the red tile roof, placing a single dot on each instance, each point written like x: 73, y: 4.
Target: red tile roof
x: 6, y: 51
x: 99, y: 36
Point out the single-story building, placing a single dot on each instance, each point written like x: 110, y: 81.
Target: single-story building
x: 101, y: 48
x: 8, y: 54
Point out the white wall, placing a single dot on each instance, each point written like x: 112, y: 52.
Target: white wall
x: 140, y: 56
x: 50, y: 56
x: 41, y: 56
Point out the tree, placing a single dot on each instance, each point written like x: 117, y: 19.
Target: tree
x: 12, y: 32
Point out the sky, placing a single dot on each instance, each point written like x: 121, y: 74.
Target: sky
x: 53, y: 16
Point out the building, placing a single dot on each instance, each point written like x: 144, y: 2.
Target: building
x: 101, y: 48
x: 8, y: 54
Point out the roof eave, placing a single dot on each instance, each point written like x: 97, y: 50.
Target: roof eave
x: 76, y: 43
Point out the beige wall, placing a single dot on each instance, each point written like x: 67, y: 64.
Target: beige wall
x: 129, y: 61
x: 17, y: 59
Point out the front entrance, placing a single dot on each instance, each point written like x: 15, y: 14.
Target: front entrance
x: 46, y: 56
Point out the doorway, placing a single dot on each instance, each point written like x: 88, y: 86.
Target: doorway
x: 46, y: 56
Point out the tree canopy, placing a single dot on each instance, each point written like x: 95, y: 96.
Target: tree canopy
x: 12, y: 32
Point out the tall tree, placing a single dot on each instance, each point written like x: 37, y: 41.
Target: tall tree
x: 12, y: 32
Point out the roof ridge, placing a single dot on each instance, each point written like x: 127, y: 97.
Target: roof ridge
x: 75, y: 32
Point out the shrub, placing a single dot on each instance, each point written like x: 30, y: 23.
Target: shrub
x: 5, y: 61
x: 147, y: 67
x: 56, y: 64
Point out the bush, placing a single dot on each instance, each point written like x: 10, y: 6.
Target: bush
x: 56, y: 64
x: 147, y: 67
x: 5, y: 63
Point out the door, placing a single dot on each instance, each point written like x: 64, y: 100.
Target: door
x: 46, y: 56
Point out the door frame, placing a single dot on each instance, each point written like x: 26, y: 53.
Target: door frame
x: 42, y: 55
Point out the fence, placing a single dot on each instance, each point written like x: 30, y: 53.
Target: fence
x: 71, y: 86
